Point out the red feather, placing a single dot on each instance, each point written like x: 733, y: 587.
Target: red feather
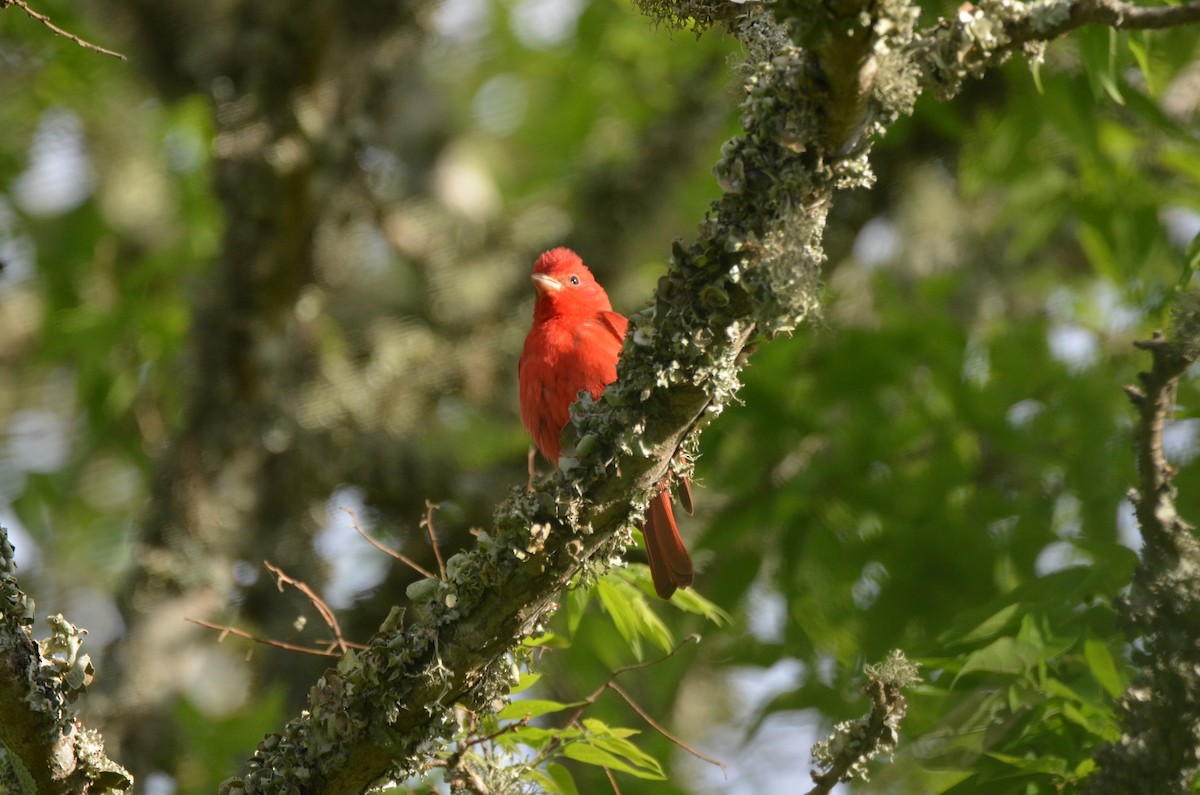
x: 573, y: 347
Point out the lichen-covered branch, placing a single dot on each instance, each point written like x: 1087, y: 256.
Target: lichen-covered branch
x: 846, y: 752
x: 983, y: 35
x: 43, y: 748
x: 1159, y: 750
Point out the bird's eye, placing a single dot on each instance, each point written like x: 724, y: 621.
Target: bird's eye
x: 574, y: 280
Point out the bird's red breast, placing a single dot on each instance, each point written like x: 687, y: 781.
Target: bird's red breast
x: 573, y: 347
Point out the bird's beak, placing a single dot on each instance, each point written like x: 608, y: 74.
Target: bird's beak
x: 545, y: 285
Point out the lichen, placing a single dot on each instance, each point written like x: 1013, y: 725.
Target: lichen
x: 845, y: 754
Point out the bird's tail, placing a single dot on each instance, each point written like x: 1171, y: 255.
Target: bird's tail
x: 670, y: 563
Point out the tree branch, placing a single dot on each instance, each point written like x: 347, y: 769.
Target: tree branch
x: 1126, y: 16
x: 1160, y: 711
x: 984, y: 35
x: 47, y: 750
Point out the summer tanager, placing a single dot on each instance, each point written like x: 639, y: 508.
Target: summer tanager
x: 573, y: 347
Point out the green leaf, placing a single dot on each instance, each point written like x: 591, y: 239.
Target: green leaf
x: 1098, y: 48
x: 1191, y: 261
x: 525, y: 681
x: 992, y: 625
x: 686, y: 599
x: 550, y: 640
x: 1140, y: 47
x: 689, y: 600
x: 606, y: 746
x: 533, y: 736
x: 547, y: 784
x: 1100, y: 662
x: 562, y: 778
x: 576, y: 604
x: 1002, y: 656
x: 1040, y: 764
x: 632, y: 615
x: 533, y: 708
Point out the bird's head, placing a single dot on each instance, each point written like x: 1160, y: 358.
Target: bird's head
x: 565, y: 285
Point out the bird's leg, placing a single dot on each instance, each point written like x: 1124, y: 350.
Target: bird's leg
x: 532, y: 468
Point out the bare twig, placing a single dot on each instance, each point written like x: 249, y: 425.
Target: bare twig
x: 613, y: 686
x: 332, y: 648
x: 427, y: 523
x: 407, y: 561
x: 320, y: 604
x: 45, y: 20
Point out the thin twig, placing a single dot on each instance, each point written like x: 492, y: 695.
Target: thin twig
x: 427, y: 523
x: 321, y: 606
x: 407, y: 561
x: 613, y: 686
x: 507, y: 728
x: 613, y: 781
x: 331, y: 650
x: 45, y: 20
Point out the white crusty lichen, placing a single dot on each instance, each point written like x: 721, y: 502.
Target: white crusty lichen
x: 844, y: 755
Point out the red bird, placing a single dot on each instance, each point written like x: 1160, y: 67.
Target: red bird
x: 572, y: 348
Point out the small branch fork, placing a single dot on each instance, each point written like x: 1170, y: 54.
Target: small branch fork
x: 407, y: 561
x: 45, y: 20
x: 339, y: 645
x: 331, y: 648
x: 1160, y: 711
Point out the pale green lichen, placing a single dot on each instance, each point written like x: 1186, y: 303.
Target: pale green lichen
x: 845, y: 754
